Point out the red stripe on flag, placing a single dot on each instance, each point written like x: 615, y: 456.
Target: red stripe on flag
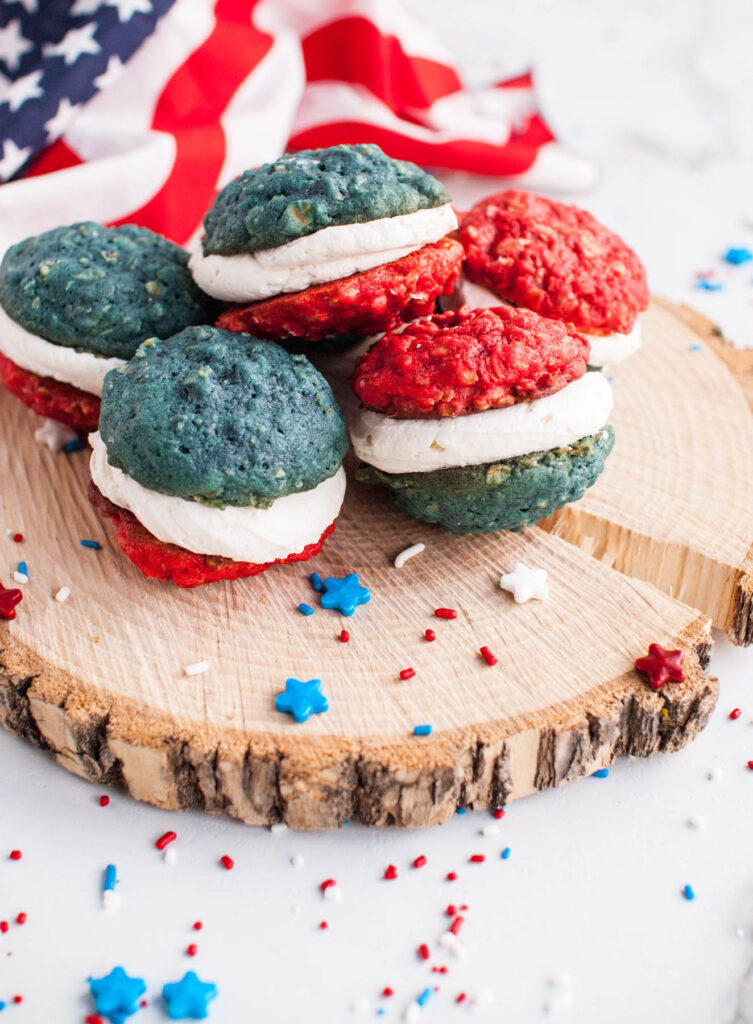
x: 190, y: 108
x: 354, y: 50
x: 514, y: 156
x: 56, y: 157
x: 524, y: 81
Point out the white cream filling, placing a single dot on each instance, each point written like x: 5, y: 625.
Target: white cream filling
x: 613, y: 348
x: 81, y: 369
x: 243, y: 534
x: 420, y: 446
x: 325, y: 255
x: 605, y: 348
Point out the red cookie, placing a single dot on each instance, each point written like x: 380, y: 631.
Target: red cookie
x: 469, y: 360
x: 52, y: 398
x: 158, y: 560
x: 362, y: 304
x: 554, y: 259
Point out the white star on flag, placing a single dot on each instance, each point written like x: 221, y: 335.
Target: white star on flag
x: 111, y: 73
x: 85, y: 7
x: 13, y: 44
x: 12, y: 159
x: 127, y: 8
x: 65, y: 113
x: 74, y: 43
x: 23, y: 89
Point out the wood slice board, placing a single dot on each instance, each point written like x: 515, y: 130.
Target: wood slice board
x: 99, y: 679
x: 674, y: 505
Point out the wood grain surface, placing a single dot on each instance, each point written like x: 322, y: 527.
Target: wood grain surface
x: 100, y: 682
x: 674, y: 505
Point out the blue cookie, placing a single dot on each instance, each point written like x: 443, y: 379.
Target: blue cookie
x: 101, y: 290
x: 221, y: 418
x: 316, y: 188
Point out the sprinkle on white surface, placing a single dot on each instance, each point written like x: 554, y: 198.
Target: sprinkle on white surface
x: 402, y: 558
x: 278, y: 828
x: 20, y: 577
x: 197, y: 668
x: 55, y: 435
x: 561, y: 979
x: 696, y: 821
x: 452, y: 944
x: 484, y: 998
x: 412, y: 1013
x: 333, y: 892
x: 561, y: 1000
x: 525, y: 583
x: 170, y: 855
x: 110, y: 899
x: 63, y: 594
x: 297, y: 860
x: 362, y: 1005
x: 489, y: 830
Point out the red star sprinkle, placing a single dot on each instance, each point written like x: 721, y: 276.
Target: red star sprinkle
x: 8, y: 601
x: 661, y: 666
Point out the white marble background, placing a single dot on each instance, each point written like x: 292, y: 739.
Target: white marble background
x: 660, y: 93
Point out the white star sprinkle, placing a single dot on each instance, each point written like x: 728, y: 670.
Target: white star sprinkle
x: 13, y: 45
x: 55, y: 435
x: 127, y: 8
x: 23, y: 89
x: 525, y: 583
x: 111, y: 73
x: 65, y: 113
x: 74, y: 43
x: 12, y: 159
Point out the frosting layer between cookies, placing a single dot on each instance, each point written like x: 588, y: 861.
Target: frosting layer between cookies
x: 394, y: 445
x: 326, y: 255
x: 243, y: 534
x: 83, y: 370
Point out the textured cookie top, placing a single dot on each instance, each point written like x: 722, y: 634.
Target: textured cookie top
x: 315, y: 188
x: 103, y: 290
x: 221, y: 418
x: 467, y: 361
x: 555, y: 259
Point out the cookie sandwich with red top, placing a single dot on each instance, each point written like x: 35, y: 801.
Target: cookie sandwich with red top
x: 325, y: 244
x: 77, y: 301
x: 218, y: 455
x: 481, y: 419
x: 558, y: 261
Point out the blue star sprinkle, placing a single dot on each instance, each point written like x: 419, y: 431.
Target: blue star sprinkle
x: 344, y: 594
x: 738, y: 256
x: 188, y: 997
x: 301, y: 699
x: 116, y: 995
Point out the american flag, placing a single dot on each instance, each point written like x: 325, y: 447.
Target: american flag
x: 140, y: 110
